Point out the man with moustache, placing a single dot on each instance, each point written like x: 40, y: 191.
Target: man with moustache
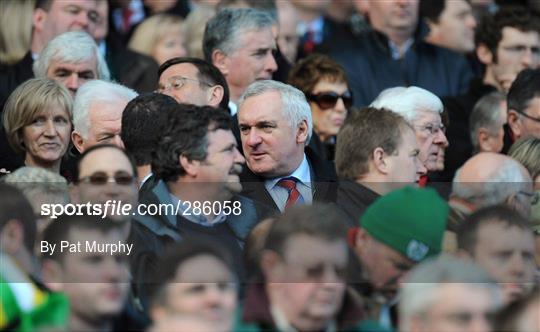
x: 198, y: 165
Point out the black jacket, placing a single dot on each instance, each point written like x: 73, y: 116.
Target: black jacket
x: 354, y: 198
x: 371, y: 68
x: 323, y: 177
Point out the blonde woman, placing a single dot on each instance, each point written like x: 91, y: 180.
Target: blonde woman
x: 15, y: 29
x: 38, y: 122
x: 160, y: 37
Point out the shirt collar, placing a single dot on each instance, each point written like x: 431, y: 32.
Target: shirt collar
x: 233, y: 107
x: 399, y: 52
x: 302, y: 174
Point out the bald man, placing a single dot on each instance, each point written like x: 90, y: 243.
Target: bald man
x: 490, y: 179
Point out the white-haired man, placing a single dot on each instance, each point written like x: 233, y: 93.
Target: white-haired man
x: 97, y: 114
x: 275, y: 127
x: 71, y: 59
x: 448, y: 294
x: 422, y: 110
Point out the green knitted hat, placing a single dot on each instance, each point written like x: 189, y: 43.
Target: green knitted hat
x: 411, y: 221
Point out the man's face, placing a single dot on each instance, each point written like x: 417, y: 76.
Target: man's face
x: 383, y: 266
x: 64, y: 16
x: 107, y: 163
x: 431, y: 140
x: 507, y: 254
x: 309, y: 280
x: 204, y: 287
x: 271, y: 146
x: 523, y: 126
x: 394, y: 15
x: 73, y: 75
x: 458, y: 307
x: 516, y: 51
x: 96, y: 284
x: 252, y: 60
x: 223, y: 163
x: 105, y: 125
x: 190, y: 90
x: 405, y: 165
x: 455, y: 28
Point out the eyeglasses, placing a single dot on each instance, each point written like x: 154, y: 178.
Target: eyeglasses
x: 534, y: 197
x: 528, y: 116
x: 101, y: 178
x: 177, y: 82
x: 433, y: 128
x: 327, y: 100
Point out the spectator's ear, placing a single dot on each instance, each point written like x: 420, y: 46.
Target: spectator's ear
x: 379, y: 161
x: 269, y: 262
x: 484, y: 54
x: 38, y: 19
x: 52, y: 274
x: 221, y: 61
x: 12, y: 237
x: 484, y: 140
x: 77, y: 140
x: 302, y: 133
x: 514, y: 122
x: 191, y: 167
x: 215, y: 95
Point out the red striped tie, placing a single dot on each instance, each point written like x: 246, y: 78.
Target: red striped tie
x: 290, y: 185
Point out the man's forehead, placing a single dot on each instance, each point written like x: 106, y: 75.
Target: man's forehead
x: 89, y: 64
x: 86, y: 4
x: 106, y: 160
x: 516, y: 36
x: 251, y: 39
x: 423, y: 116
x: 185, y: 69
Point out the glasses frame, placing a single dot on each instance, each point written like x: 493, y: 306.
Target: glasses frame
x: 528, y: 116
x: 175, y: 79
x: 113, y: 179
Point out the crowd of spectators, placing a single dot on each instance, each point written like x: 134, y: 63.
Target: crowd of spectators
x: 270, y: 165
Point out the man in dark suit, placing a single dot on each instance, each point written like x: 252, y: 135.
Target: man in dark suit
x: 275, y: 128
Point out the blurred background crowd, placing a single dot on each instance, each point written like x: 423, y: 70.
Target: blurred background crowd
x: 333, y: 165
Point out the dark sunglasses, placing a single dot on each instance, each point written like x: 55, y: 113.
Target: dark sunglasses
x: 327, y: 100
x: 101, y: 178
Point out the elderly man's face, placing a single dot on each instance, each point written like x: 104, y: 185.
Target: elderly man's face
x: 272, y: 147
x: 507, y: 254
x: 73, y: 75
x: 308, y: 281
x: 105, y: 125
x: 107, y: 175
x: 431, y: 139
x: 457, y: 307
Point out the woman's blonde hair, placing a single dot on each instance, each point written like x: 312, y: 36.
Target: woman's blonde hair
x: 27, y: 101
x: 15, y: 29
x: 194, y: 30
x: 527, y: 152
x: 152, y: 30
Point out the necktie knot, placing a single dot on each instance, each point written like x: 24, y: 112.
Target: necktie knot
x: 288, y: 183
